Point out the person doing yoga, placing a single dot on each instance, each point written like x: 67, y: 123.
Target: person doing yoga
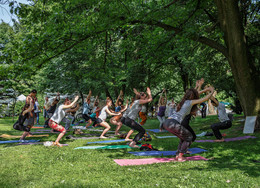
x: 101, y: 120
x: 225, y: 122
x: 187, y: 106
x: 57, y: 117
x: 141, y: 98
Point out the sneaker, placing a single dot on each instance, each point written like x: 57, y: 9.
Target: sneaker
x: 48, y: 143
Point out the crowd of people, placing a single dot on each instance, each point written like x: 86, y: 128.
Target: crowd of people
x: 131, y: 114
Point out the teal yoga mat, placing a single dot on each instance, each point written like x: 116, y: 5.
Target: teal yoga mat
x: 105, y: 147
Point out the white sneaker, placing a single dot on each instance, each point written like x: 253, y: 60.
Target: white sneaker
x: 48, y: 143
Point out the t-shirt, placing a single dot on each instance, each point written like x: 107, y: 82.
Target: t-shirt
x: 103, y: 114
x: 47, y: 105
x: 222, y: 115
x: 59, y: 114
x: 135, y: 109
x: 143, y: 109
x: 86, y: 108
x: 161, y: 112
x: 184, y: 111
x: 36, y: 107
x: 126, y: 112
x: 118, y: 108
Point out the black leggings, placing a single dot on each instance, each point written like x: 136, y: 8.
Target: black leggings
x: 186, y: 123
x: 19, y: 127
x: 136, y: 126
x: 221, y: 125
x: 181, y: 132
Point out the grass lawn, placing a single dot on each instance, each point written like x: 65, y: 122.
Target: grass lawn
x: 231, y: 163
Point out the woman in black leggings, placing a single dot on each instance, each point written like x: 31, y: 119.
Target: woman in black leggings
x: 173, y: 124
x: 141, y: 98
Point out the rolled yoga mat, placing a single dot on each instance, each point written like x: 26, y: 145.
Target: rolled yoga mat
x: 165, y: 153
x: 126, y: 162
x: 15, y: 141
x: 105, y: 147
x: 228, y: 139
x: 107, y: 141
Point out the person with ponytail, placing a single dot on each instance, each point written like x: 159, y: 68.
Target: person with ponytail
x: 188, y: 105
x: 140, y: 98
x: 101, y: 120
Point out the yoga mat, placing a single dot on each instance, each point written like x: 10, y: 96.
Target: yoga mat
x: 34, y: 127
x: 107, y: 141
x: 83, y: 138
x: 198, y: 135
x: 165, y: 153
x: 37, y: 143
x: 228, y: 139
x: 15, y: 141
x: 13, y: 136
x: 43, y: 132
x: 105, y: 147
x: 156, y: 130
x: 126, y: 162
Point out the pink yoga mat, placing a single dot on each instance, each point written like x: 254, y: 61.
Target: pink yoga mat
x: 126, y: 162
x: 228, y: 139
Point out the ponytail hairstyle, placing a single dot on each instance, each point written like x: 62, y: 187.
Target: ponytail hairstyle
x: 108, y: 100
x: 191, y: 94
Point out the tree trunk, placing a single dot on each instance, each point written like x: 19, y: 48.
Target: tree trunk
x: 238, y: 56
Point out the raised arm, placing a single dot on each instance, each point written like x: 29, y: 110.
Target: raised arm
x: 111, y: 113
x: 89, y: 94
x: 119, y: 97
x: 149, y: 99
x: 124, y: 109
x: 214, y: 100
x: 207, y: 97
x: 71, y: 104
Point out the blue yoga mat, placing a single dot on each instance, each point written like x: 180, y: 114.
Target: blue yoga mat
x: 107, y: 141
x: 15, y: 141
x: 165, y: 153
x: 156, y: 130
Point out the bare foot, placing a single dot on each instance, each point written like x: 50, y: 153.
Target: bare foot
x: 181, y: 159
x: 103, y: 137
x: 188, y: 152
x: 220, y: 140
x: 133, y: 145
x: 117, y: 134
x: 128, y: 140
x: 57, y: 144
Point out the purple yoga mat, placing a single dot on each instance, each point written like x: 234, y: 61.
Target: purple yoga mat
x: 126, y: 162
x: 35, y: 143
x: 228, y: 139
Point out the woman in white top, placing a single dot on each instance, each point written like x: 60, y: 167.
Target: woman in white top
x: 57, y: 117
x: 101, y: 120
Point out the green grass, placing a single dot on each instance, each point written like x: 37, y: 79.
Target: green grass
x: 39, y: 166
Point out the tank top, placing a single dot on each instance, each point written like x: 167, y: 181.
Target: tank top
x: 184, y: 111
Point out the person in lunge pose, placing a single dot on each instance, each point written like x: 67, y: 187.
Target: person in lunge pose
x: 187, y: 106
x: 57, y: 117
x: 141, y: 98
x: 101, y: 120
x: 225, y: 122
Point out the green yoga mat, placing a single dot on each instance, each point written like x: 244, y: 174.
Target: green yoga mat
x: 105, y: 147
